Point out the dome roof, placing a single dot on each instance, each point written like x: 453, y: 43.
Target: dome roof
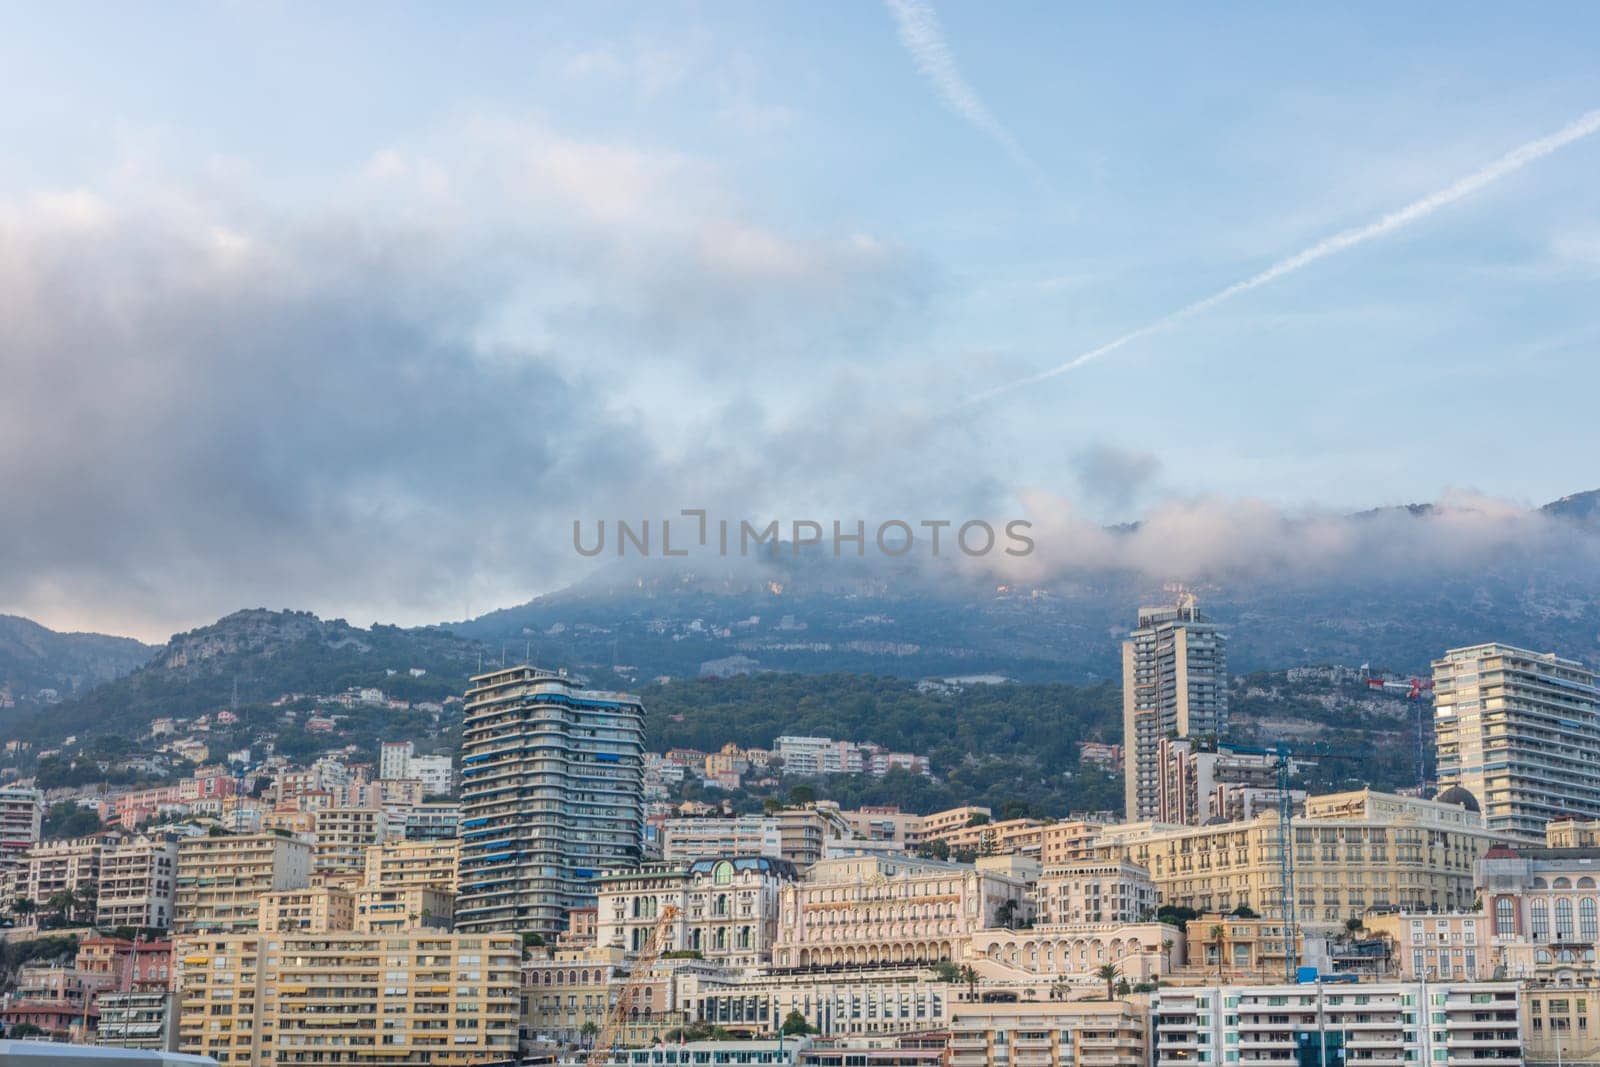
x: 1460, y: 797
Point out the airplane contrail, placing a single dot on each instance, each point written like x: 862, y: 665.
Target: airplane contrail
x: 1512, y: 161
x: 923, y: 37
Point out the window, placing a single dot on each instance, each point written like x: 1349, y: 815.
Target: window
x: 1588, y: 927
x: 1505, y: 919
x: 1564, y: 919
x: 1539, y: 920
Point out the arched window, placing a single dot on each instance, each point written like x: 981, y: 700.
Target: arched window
x: 1505, y: 917
x: 1539, y: 920
x: 1588, y: 926
x: 1564, y: 919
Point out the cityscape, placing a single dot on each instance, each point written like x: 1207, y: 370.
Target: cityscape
x: 858, y: 533
x: 542, y: 895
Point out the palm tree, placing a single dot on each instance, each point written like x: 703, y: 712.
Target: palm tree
x: 1166, y: 950
x: 22, y: 907
x: 1108, y: 973
x: 64, y: 903
x: 588, y: 1031
x: 1217, y: 937
x: 969, y: 976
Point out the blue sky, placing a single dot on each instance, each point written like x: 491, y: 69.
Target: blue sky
x: 287, y: 277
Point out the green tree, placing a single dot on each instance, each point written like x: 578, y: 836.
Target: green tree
x: 795, y: 1023
x: 1108, y: 973
x: 969, y: 976
x: 1217, y: 938
x: 588, y: 1031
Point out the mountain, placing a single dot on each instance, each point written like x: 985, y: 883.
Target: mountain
x: 1393, y: 587
x: 34, y: 658
x: 1580, y: 507
x: 255, y: 657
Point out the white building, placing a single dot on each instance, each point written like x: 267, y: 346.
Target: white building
x: 393, y: 757
x: 21, y: 818
x: 138, y: 882
x: 1519, y: 731
x: 1370, y: 1022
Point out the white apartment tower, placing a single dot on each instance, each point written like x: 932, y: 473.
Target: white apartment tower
x: 1520, y: 731
x: 1174, y: 685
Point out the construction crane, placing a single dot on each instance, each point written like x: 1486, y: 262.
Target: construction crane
x: 1283, y: 763
x: 1415, y: 689
x: 643, y: 960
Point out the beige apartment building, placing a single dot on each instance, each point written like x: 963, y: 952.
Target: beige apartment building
x: 1454, y: 947
x: 1353, y: 851
x: 138, y: 883
x: 940, y: 823
x: 875, y: 910
x: 221, y: 879
x: 52, y: 867
x: 1094, y: 891
x: 312, y: 910
x: 1560, y: 1025
x: 1048, y: 1034
x: 383, y: 910
x: 1049, y: 843
x: 397, y: 864
x: 341, y: 998
x: 343, y: 836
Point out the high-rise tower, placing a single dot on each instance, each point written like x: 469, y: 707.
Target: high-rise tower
x: 552, y: 794
x: 1174, y: 685
x: 1520, y: 732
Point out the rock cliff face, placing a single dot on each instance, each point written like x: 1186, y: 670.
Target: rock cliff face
x: 252, y: 631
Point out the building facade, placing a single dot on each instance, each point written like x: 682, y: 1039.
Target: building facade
x: 727, y: 907
x: 340, y: 998
x: 400, y: 864
x: 1059, y: 1034
x: 552, y: 795
x: 871, y: 911
x: 1094, y: 891
x: 1174, y: 685
x: 221, y: 878
x: 51, y: 868
x: 138, y: 883
x: 1317, y: 1023
x: 21, y: 818
x: 1353, y: 851
x: 343, y: 836
x: 1518, y: 730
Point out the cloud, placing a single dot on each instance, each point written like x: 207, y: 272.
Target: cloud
x: 923, y: 36
x: 1235, y: 541
x: 394, y: 407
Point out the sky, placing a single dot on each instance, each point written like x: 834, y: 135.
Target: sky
x: 356, y: 308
